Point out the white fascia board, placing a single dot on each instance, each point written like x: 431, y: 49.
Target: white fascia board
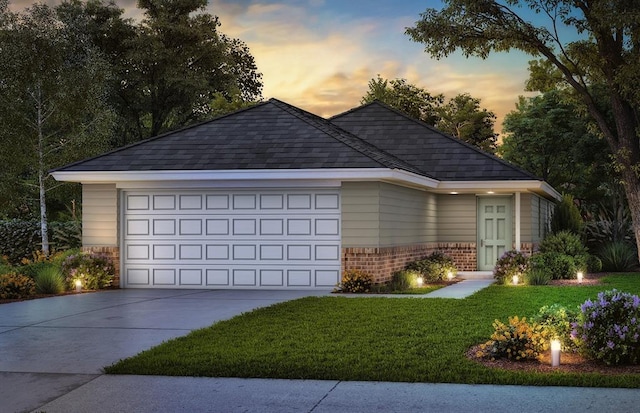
x: 540, y: 187
x: 270, y: 177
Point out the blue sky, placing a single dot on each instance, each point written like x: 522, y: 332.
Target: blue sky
x: 320, y: 54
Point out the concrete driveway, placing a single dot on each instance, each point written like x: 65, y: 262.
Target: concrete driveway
x: 48, y: 347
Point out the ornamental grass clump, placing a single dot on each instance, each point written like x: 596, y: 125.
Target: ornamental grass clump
x: 518, y: 340
x: 608, y: 329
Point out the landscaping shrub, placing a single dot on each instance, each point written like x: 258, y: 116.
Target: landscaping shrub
x: 355, y: 281
x: 566, y: 217
x: 435, y: 267
x: 20, y: 239
x: 608, y: 329
x: 556, y: 266
x: 404, y: 280
x: 49, y: 280
x: 618, y: 256
x: 594, y: 264
x: 511, y: 263
x: 517, y: 340
x: 556, y: 322
x: 564, y: 242
x: 610, y: 223
x: 14, y: 285
x: 537, y: 276
x: 93, y: 270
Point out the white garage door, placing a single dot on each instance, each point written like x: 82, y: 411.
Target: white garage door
x: 233, y: 239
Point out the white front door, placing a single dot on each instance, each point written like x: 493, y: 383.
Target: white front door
x: 265, y: 238
x: 494, y: 230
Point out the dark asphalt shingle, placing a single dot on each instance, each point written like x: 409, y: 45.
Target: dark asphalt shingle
x: 275, y: 135
x: 433, y: 152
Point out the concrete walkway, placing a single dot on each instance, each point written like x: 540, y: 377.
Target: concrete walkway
x: 52, y: 351
x: 462, y: 289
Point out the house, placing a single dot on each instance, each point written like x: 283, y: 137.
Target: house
x: 276, y: 197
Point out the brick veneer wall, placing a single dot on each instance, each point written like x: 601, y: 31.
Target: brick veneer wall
x: 381, y: 263
x: 112, y: 253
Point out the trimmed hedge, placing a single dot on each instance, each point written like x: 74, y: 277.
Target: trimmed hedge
x: 20, y: 239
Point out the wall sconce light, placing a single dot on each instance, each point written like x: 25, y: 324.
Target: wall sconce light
x: 555, y: 352
x: 580, y: 277
x: 515, y: 279
x: 78, y: 286
x: 419, y: 281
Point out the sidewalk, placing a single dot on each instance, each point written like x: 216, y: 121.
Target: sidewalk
x: 142, y: 394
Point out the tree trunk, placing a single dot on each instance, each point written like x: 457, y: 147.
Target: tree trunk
x: 44, y: 228
x: 632, y: 189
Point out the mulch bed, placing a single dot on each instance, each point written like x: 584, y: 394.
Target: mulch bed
x: 569, y: 362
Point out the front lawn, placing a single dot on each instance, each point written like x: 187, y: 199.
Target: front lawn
x: 372, y: 339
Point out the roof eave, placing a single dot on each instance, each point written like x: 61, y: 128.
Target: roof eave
x: 496, y: 187
x: 138, y: 178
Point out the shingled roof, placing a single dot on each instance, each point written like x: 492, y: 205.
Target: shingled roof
x: 274, y: 135
x: 433, y: 152
x: 270, y: 135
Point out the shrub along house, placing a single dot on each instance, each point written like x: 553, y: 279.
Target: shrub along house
x: 276, y: 197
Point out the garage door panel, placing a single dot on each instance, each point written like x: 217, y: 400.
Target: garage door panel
x: 232, y: 239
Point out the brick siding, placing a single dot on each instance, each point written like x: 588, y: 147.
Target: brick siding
x: 381, y: 263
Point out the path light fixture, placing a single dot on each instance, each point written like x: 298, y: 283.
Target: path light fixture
x: 555, y: 352
x: 515, y: 279
x: 450, y: 275
x: 419, y: 281
x: 580, y: 277
x: 78, y: 286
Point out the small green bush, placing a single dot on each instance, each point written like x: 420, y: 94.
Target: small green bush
x: 435, y: 267
x: 557, y: 266
x: 566, y: 217
x: 93, y: 270
x: 49, y: 280
x: 556, y: 322
x: 594, y: 264
x: 537, y: 276
x: 14, y: 285
x: 403, y: 280
x: 517, y: 340
x: 608, y: 329
x: 511, y: 263
x: 564, y: 242
x: 618, y: 256
x: 355, y: 281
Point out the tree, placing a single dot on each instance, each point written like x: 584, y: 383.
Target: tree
x: 410, y: 99
x: 52, y: 106
x: 170, y: 68
x: 605, y: 51
x: 463, y: 118
x: 176, y: 64
x: 548, y: 137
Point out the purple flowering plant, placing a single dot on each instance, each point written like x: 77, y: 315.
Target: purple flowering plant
x: 608, y: 329
x: 93, y: 270
x: 509, y: 264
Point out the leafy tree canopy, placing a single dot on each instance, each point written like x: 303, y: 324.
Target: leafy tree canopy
x: 602, y: 53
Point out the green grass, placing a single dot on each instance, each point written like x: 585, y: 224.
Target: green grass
x: 385, y: 339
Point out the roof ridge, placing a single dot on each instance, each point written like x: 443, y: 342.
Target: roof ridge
x: 441, y: 133
x: 162, y: 135
x: 364, y: 147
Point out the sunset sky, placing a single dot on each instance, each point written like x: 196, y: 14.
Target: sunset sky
x: 320, y: 54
